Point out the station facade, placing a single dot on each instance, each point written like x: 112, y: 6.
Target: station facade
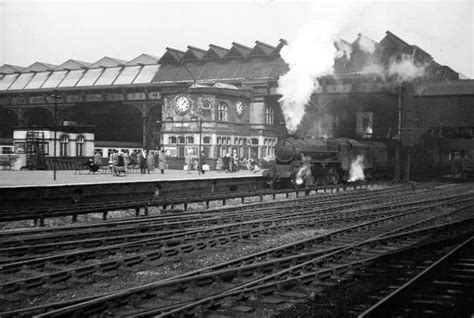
x: 220, y: 100
x: 224, y: 100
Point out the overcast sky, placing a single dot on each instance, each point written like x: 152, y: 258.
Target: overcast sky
x: 54, y: 31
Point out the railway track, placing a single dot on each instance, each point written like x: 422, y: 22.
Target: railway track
x: 444, y: 289
x: 298, y: 217
x: 256, y: 283
x: 334, y: 240
x: 52, y: 272
x: 183, y: 220
x: 182, y: 226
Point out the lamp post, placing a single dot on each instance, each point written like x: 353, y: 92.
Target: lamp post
x: 55, y: 96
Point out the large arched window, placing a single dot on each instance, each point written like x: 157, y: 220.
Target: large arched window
x: 222, y: 112
x: 190, y: 140
x: 80, y: 146
x: 172, y: 140
x: 64, y: 140
x: 181, y: 140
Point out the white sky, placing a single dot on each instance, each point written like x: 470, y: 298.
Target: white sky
x: 55, y: 31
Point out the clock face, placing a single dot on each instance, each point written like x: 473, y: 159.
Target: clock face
x: 183, y: 104
x: 239, y: 108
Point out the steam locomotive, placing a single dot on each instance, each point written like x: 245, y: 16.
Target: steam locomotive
x: 328, y: 161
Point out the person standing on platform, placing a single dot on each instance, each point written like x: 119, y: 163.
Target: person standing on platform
x: 119, y: 166
x: 202, y: 164
x: 126, y: 159
x: 133, y: 158
x: 226, y: 162
x: 162, y: 162
x: 113, y: 161
x: 219, y: 165
x: 188, y: 161
x: 231, y: 163
x: 142, y: 161
x: 150, y: 161
x: 235, y: 158
x: 97, y: 159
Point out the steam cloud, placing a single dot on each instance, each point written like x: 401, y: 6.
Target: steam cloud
x: 357, y: 169
x: 366, y: 44
x: 311, y: 55
x: 406, y: 70
x: 318, y: 43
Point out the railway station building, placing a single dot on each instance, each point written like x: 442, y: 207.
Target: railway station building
x: 220, y: 100
x: 225, y: 100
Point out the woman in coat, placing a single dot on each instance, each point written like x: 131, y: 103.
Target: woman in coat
x: 162, y: 163
x: 226, y: 162
x: 150, y: 161
x: 142, y: 161
x: 188, y: 161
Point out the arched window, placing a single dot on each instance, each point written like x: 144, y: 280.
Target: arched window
x: 222, y: 112
x: 218, y: 140
x: 64, y: 140
x: 190, y: 140
x: 268, y: 115
x: 254, y: 141
x: 80, y: 146
x: 206, y: 140
x: 181, y: 140
x: 172, y: 140
x: 236, y: 141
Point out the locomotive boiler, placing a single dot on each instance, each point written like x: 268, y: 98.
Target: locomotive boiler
x: 327, y: 160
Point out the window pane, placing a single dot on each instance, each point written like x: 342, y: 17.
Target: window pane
x: 107, y: 78
x: 128, y: 75
x: 37, y: 80
x: 147, y: 74
x: 90, y: 77
x: 54, y: 79
x: 22, y: 80
x: 71, y: 78
x: 7, y: 80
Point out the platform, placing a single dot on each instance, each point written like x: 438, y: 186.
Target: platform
x: 70, y: 177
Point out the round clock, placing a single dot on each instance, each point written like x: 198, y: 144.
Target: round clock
x: 182, y: 105
x: 239, y: 108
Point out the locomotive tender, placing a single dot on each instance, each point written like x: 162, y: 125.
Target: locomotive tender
x: 329, y: 160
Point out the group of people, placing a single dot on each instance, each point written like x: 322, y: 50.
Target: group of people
x: 120, y: 161
x: 232, y: 163
x: 147, y: 160
x: 197, y: 164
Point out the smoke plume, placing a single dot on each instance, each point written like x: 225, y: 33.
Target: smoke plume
x: 405, y: 69
x: 366, y: 44
x: 344, y: 49
x: 309, y: 56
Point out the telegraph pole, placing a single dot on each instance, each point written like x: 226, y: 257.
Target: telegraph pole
x: 200, y: 141
x: 398, y: 147
x: 55, y: 96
